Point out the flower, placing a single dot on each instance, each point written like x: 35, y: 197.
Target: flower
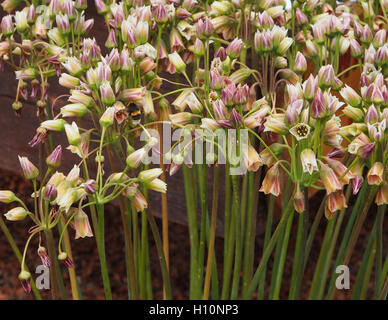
x: 68, y: 81
x: 24, y: 277
x: 54, y: 159
x: 108, y: 117
x: 271, y: 182
x: 157, y: 185
x: 375, y: 174
x: 177, y: 62
x: 7, y: 196
x: 135, y: 158
x: 299, y: 200
x: 309, y: 162
x: 72, y: 134
x: 300, y: 131
x: 252, y: 159
x: 16, y: 214
x: 329, y: 179
x: 336, y: 201
x: 29, y: 170
x: 149, y: 175
x: 82, y: 225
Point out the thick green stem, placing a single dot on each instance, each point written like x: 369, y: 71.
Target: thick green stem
x: 193, y: 229
x: 379, y: 249
x: 268, y: 251
x: 213, y: 224
x: 101, y: 251
x: 162, y: 259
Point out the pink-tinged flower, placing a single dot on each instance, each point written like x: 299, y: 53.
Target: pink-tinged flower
x: 204, y: 28
x: 336, y: 201
x: 133, y: 94
x: 25, y: 74
x: 44, y: 256
x: 24, y: 277
x: 375, y: 174
x: 318, y: 109
x: 329, y: 179
x: 357, y: 184
x: 82, y: 225
x: 382, y: 195
x: 217, y: 82
x: 252, y: 159
x: 309, y: 161
x: 50, y: 192
x: 234, y: 48
x: 300, y: 17
x: 371, y: 115
x: 228, y: 93
x: 90, y: 186
x: 276, y: 123
x: 29, y: 170
x: 271, y: 182
x: 355, y: 48
x: 7, y: 196
x: 366, y: 150
x: 241, y: 94
x: 300, y: 65
x: 54, y: 159
x: 235, y: 117
x: 359, y: 141
x: 137, y: 198
x: 107, y: 94
x: 177, y: 62
x: 350, y: 96
x: 16, y: 214
x: 209, y: 124
x: 310, y: 87
x: 336, y: 153
x: 220, y: 111
x: 101, y: 7
x: 108, y: 117
x: 264, y: 20
x: 326, y: 76
x: 181, y: 118
x: 135, y: 158
x: 299, y: 200
x: 341, y: 171
x: 65, y: 260
x: 68, y: 81
x: 376, y: 130
x: 7, y: 26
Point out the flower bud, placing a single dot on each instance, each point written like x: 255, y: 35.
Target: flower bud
x: 72, y: 134
x: 135, y: 158
x: 54, y: 159
x: 24, y: 277
x: 300, y: 65
x: 16, y: 214
x: 7, y: 196
x: 234, y: 48
x: 29, y: 170
x: 68, y: 81
x: 157, y: 185
x: 149, y: 175
x: 90, y: 186
x: 108, y: 117
x: 177, y: 62
x: 107, y: 95
x: 204, y: 28
x: 299, y: 200
x: 53, y: 125
x: 50, y: 192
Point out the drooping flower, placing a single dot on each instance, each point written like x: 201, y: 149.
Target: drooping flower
x: 271, y: 182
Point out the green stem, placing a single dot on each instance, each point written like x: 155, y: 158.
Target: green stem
x: 267, y: 237
x: 193, y: 230
x: 379, y: 248
x: 101, y: 251
x: 18, y: 255
x: 162, y: 259
x: 267, y: 252
x: 213, y: 224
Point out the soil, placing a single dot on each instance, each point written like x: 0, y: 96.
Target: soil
x: 87, y: 265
